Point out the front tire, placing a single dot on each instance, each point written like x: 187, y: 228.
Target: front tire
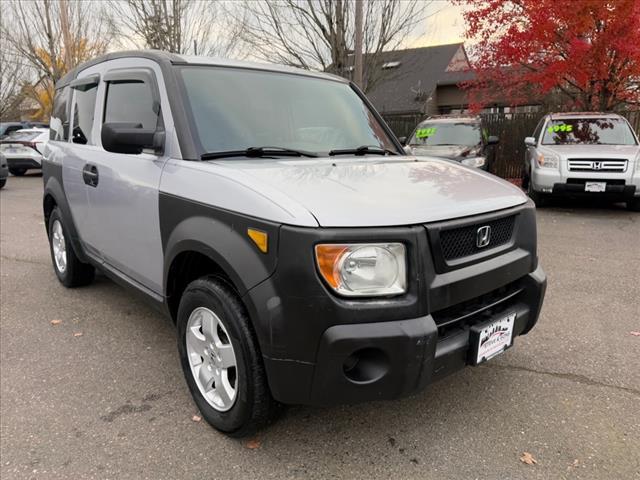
x: 18, y: 172
x: 634, y: 204
x: 540, y: 199
x: 3, y: 182
x: 221, y: 359
x: 69, y: 269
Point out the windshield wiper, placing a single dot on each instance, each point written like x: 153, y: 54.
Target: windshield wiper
x: 254, y: 152
x: 364, y: 150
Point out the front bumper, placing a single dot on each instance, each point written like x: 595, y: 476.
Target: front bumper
x: 613, y: 191
x: 387, y: 360
x: 620, y: 186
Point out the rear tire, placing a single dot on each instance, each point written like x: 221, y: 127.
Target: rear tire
x: 69, y: 269
x: 634, y: 204
x: 230, y: 388
x: 18, y: 172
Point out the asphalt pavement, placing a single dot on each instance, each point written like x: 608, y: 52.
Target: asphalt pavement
x: 101, y: 394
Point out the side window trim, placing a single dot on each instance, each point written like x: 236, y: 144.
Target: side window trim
x: 85, y: 83
x: 136, y: 75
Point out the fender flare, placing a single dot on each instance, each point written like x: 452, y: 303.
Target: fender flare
x: 225, y: 245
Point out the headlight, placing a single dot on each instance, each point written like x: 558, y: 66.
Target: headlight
x: 363, y: 269
x: 548, y: 160
x: 474, y: 162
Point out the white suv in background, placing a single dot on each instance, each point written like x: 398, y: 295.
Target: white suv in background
x: 583, y: 154
x: 23, y: 149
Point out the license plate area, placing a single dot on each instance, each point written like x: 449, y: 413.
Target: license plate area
x: 595, y: 186
x: 491, y: 338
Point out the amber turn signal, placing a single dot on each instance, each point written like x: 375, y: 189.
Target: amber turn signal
x: 260, y: 238
x: 328, y: 257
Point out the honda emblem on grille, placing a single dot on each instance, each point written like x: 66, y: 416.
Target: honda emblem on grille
x: 483, y: 236
x: 597, y: 165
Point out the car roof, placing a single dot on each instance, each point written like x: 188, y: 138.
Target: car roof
x: 452, y: 119
x: 168, y: 58
x: 464, y: 121
x: 566, y: 115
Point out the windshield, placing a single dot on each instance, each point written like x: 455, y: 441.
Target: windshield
x: 235, y: 109
x: 588, y: 131
x: 434, y: 133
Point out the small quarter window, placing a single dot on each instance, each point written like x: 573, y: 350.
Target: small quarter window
x: 83, y: 113
x: 59, y: 123
x: 130, y: 102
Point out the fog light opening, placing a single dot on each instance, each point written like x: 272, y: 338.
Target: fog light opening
x: 367, y: 365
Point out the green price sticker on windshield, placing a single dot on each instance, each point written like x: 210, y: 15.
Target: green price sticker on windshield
x: 561, y: 127
x: 425, y: 132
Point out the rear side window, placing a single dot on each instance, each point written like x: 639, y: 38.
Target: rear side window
x: 130, y: 102
x: 59, y: 123
x: 83, y: 113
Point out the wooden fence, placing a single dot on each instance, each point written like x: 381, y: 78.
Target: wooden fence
x: 511, y: 128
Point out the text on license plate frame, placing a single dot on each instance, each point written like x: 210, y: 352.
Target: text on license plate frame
x: 595, y: 186
x: 491, y: 338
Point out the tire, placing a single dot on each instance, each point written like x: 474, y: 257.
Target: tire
x: 17, y: 172
x: 540, y: 199
x: 68, y: 268
x: 244, y: 404
x: 3, y: 182
x: 634, y: 204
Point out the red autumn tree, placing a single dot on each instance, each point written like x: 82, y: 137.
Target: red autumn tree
x: 587, y: 51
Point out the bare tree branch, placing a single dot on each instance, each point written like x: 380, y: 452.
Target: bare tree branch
x: 320, y: 34
x: 199, y: 27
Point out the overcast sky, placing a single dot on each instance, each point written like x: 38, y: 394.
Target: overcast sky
x: 444, y: 25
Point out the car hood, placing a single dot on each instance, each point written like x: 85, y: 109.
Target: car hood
x: 595, y: 151
x: 367, y: 192
x: 445, y: 151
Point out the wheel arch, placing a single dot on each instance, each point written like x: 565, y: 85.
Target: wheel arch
x: 54, y: 197
x: 189, y: 261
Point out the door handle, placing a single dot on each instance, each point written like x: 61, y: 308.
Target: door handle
x: 90, y: 175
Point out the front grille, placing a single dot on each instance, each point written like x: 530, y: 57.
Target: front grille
x: 597, y: 165
x: 477, y: 309
x: 463, y: 241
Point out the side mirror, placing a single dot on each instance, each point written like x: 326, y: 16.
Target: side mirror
x: 493, y: 140
x: 530, y: 141
x: 130, y: 138
x: 403, y: 140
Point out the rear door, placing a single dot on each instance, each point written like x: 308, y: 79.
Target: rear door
x: 125, y: 227
x: 75, y: 146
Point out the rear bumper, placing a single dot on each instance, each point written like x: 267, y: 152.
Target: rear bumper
x: 28, y: 163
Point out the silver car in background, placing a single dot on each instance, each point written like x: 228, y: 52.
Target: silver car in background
x: 583, y: 154
x: 24, y: 148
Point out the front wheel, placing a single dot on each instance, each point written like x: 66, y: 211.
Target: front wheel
x: 3, y: 181
x: 221, y: 359
x: 634, y: 204
x: 69, y: 269
x: 18, y: 172
x: 540, y: 199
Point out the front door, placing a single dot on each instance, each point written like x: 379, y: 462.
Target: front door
x: 123, y: 191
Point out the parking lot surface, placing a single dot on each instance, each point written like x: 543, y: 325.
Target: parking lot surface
x: 101, y: 394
